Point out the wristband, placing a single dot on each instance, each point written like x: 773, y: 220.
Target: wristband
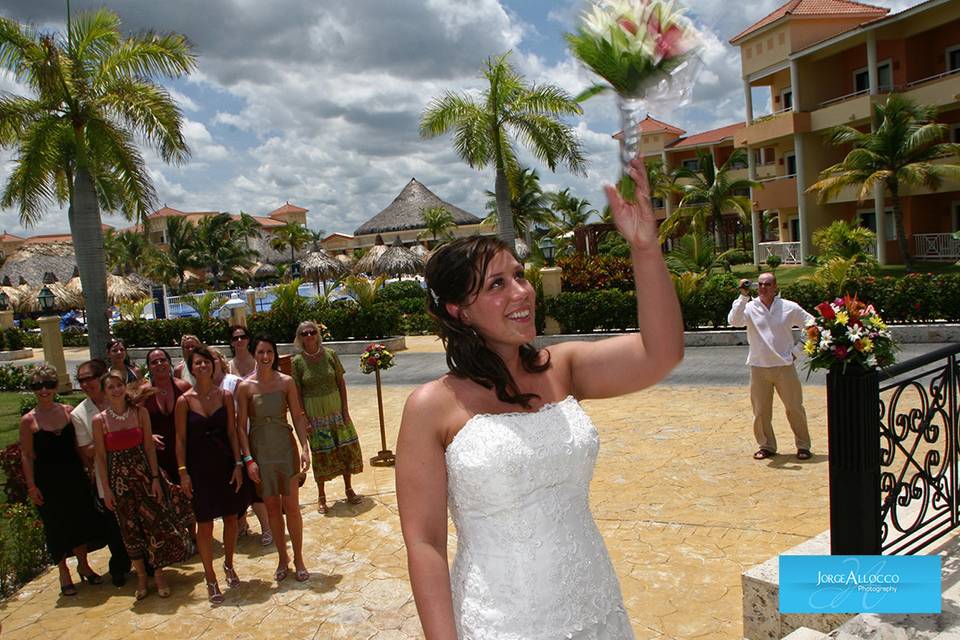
x: 181, y: 468
x: 238, y: 463
x: 248, y: 458
x: 251, y: 461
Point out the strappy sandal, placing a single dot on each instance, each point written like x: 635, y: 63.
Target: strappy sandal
x: 163, y: 592
x: 140, y: 594
x: 68, y: 589
x: 763, y: 454
x: 232, y: 579
x: 302, y: 575
x: 322, y: 507
x: 266, y: 539
x: 213, y: 593
x: 281, y: 573
x: 353, y: 498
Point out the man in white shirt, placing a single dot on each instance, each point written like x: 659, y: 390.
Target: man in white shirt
x: 88, y: 375
x: 769, y: 320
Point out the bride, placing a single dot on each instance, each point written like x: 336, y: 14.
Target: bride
x: 503, y: 442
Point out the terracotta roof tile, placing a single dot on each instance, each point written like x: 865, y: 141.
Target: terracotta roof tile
x: 652, y: 125
x: 9, y: 237
x: 708, y: 137
x: 287, y: 208
x: 814, y: 8
x: 165, y: 211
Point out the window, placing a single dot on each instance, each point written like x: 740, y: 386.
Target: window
x: 956, y: 217
x: 744, y: 193
x: 790, y: 162
x: 889, y: 226
x: 953, y: 58
x: 955, y: 133
x: 868, y: 218
x: 861, y: 78
x: 657, y: 202
x: 786, y: 99
x: 691, y: 164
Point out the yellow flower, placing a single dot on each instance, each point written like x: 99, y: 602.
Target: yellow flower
x: 866, y: 345
x: 842, y: 317
x: 810, y: 347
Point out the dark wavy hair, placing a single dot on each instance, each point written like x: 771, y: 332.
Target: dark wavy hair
x: 233, y: 330
x: 276, y: 354
x: 204, y: 352
x: 455, y: 273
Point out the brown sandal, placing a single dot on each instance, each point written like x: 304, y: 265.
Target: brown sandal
x: 763, y: 454
x: 353, y: 498
x: 804, y: 454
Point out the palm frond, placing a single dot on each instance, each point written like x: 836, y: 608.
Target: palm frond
x: 148, y: 109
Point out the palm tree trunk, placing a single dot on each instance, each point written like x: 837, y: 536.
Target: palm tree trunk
x: 504, y: 215
x: 87, y: 234
x: 292, y: 260
x: 898, y: 221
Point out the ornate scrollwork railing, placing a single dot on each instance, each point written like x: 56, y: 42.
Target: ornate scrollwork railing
x: 918, y: 451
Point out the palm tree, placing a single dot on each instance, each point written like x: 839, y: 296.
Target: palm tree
x: 570, y: 212
x: 248, y: 227
x: 127, y: 251
x: 437, y: 222
x: 220, y: 249
x: 181, y: 247
x: 204, y: 304
x: 76, y: 138
x: 709, y: 195
x: 663, y: 182
x: 899, y: 152
x: 486, y: 126
x: 528, y: 205
x: 293, y: 235
x: 316, y: 237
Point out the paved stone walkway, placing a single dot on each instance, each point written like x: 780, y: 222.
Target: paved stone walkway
x: 683, y: 508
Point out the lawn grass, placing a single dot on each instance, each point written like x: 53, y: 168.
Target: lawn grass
x: 787, y: 274
x: 9, y: 417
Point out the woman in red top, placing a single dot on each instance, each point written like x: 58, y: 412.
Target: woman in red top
x: 154, y: 516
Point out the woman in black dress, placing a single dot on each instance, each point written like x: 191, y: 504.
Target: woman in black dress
x: 57, y: 483
x: 160, y: 405
x: 210, y: 466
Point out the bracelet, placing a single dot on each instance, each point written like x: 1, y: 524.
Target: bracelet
x: 251, y: 461
x: 238, y: 463
x: 181, y: 468
x: 248, y: 458
x: 156, y: 477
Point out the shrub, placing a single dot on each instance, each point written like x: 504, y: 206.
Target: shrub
x: 418, y: 324
x: 586, y: 311
x: 402, y: 290
x: 587, y: 273
x: 14, y: 484
x: 23, y: 549
x: 774, y: 261
x: 75, y: 339
x: 346, y: 320
x: 28, y: 401
x: 13, y: 339
x: 737, y: 256
x: 840, y: 240
x: 167, y: 333
x: 15, y: 377
x: 714, y: 297
x: 28, y: 324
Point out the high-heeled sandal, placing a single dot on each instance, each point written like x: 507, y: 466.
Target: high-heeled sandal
x: 232, y: 579
x: 92, y: 578
x: 281, y: 573
x: 353, y: 498
x: 163, y: 592
x: 322, y: 505
x: 140, y: 594
x: 213, y: 593
x: 302, y: 575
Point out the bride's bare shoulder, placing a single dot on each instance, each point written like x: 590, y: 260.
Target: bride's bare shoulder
x: 435, y: 406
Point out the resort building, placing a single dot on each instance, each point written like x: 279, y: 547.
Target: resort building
x: 822, y: 63
x: 157, y: 221
x: 403, y: 219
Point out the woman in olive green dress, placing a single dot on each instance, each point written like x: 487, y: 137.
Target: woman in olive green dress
x: 333, y: 439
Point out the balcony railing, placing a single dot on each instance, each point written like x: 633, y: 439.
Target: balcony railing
x: 827, y: 103
x: 789, y: 252
x: 936, y: 246
x: 932, y: 78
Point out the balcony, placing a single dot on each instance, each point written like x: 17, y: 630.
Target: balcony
x: 789, y: 252
x: 776, y: 193
x: 940, y: 90
x: 768, y: 128
x: 841, y: 110
x: 936, y: 246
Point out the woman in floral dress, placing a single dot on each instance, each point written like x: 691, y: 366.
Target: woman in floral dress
x: 333, y: 439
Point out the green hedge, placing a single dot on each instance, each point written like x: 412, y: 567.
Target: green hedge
x: 590, y: 273
x: 913, y: 298
x: 166, y: 333
x: 23, y: 549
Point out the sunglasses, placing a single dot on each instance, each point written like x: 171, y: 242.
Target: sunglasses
x: 157, y: 362
x: 44, y: 384
x: 308, y: 332
x: 86, y: 379
x: 239, y: 338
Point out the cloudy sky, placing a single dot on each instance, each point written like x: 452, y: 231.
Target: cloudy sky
x: 317, y: 102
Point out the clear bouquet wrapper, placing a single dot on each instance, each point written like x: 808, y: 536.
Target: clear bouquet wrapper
x: 647, y: 53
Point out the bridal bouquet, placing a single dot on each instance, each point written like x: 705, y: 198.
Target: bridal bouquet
x: 645, y: 51
x: 375, y: 357
x: 847, y: 331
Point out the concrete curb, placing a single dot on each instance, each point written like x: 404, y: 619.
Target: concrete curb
x: 20, y: 354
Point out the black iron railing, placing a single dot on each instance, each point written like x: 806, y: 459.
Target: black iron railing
x: 919, y: 500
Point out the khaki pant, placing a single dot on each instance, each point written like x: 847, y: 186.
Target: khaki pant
x: 763, y: 380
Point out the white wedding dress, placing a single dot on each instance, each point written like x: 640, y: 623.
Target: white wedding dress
x: 530, y: 562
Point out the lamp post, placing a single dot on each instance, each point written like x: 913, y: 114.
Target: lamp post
x: 51, y: 338
x: 548, y: 248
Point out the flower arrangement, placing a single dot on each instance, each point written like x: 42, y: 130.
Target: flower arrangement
x: 646, y: 52
x: 847, y: 331
x: 375, y: 356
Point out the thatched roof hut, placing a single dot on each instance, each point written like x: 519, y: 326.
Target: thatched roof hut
x: 63, y: 298
x: 119, y: 288
x: 264, y: 270
x: 406, y: 211
x: 368, y: 263
x: 322, y: 264
x: 31, y: 262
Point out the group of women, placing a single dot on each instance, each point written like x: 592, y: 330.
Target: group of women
x: 160, y: 456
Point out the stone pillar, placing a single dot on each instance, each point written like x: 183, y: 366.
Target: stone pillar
x: 802, y: 198
x: 238, y: 316
x: 668, y: 201
x: 252, y: 301
x: 551, y: 283
x: 879, y: 214
x: 755, y: 222
x: 748, y: 100
x: 6, y: 319
x: 53, y: 349
x: 873, y: 74
x: 795, y: 85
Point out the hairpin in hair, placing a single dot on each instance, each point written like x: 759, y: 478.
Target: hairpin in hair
x: 436, y: 298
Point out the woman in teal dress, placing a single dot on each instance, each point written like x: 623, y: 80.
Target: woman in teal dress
x: 334, y: 445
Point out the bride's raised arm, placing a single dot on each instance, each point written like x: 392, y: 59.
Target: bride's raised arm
x: 633, y: 361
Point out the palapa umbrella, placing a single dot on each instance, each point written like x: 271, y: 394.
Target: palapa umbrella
x: 368, y: 262
x: 63, y: 299
x: 398, y: 260
x: 264, y: 271
x: 322, y: 265
x: 119, y: 288
x: 345, y: 259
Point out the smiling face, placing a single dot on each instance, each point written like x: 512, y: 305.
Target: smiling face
x: 502, y: 310
x: 188, y: 346
x: 264, y: 354
x: 118, y: 352
x: 89, y: 381
x: 767, y: 288
x: 159, y: 365
x: 201, y: 367
x: 114, y: 388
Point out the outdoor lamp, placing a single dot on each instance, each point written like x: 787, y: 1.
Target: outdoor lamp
x: 547, y: 248
x: 4, y: 301
x: 45, y: 298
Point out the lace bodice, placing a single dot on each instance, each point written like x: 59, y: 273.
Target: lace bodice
x: 530, y: 563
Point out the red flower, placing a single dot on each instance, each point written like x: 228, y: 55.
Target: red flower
x: 840, y: 352
x: 825, y: 310
x: 628, y: 25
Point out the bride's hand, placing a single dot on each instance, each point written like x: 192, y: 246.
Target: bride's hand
x: 635, y: 220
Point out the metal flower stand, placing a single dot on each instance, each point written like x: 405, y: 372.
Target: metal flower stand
x: 384, y: 457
